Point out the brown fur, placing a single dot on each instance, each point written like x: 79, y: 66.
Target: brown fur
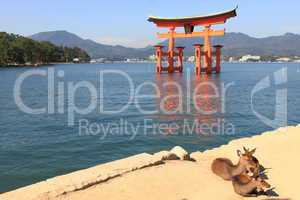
x: 224, y: 168
x: 246, y: 186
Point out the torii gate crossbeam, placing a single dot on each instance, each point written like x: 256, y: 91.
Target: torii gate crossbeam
x: 189, y: 23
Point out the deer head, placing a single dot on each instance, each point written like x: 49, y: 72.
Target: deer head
x: 248, y: 152
x: 249, y: 161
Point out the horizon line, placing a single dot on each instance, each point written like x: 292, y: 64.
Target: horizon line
x: 78, y: 35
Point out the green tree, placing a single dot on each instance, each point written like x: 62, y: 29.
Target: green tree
x: 15, y: 49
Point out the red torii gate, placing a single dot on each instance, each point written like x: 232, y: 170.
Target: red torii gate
x: 189, y: 23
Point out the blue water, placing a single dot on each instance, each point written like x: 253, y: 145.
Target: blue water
x: 36, y: 147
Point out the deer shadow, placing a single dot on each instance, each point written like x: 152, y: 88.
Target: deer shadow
x: 270, y: 192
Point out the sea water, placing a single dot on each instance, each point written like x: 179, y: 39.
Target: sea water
x: 132, y: 110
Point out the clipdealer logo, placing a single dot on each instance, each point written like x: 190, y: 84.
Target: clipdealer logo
x: 280, y: 118
x: 61, y: 99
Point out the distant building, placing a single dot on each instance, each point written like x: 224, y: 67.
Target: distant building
x: 296, y: 58
x: 76, y: 60
x: 100, y: 60
x: 152, y: 57
x: 248, y: 58
x: 131, y: 60
x: 135, y: 60
x: 231, y: 59
x: 191, y: 59
x: 284, y: 59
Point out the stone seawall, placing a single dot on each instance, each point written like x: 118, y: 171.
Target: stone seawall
x: 147, y: 176
x: 79, y: 180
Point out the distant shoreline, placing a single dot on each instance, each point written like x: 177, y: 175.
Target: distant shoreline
x: 118, y: 62
x: 38, y: 65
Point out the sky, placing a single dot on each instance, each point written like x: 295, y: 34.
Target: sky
x: 124, y: 22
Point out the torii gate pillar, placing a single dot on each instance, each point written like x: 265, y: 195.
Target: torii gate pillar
x: 218, y: 58
x: 198, y: 49
x: 207, y: 51
x: 180, y: 59
x: 159, y: 54
x: 171, y: 50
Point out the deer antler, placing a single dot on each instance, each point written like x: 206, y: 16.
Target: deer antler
x: 246, y: 150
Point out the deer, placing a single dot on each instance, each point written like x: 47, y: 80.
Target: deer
x: 247, y: 186
x: 224, y: 168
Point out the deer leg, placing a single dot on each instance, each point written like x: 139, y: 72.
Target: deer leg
x: 254, y: 193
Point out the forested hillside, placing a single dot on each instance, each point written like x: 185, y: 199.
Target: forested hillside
x: 19, y: 50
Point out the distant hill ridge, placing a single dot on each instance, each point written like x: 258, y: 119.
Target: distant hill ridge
x: 235, y: 44
x: 94, y: 49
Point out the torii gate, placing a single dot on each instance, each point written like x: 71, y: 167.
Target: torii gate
x: 189, y: 23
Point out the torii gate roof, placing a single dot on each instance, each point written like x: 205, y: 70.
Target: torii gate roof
x: 216, y: 18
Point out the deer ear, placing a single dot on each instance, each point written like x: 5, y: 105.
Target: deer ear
x: 253, y: 151
x: 246, y: 150
x: 239, y: 153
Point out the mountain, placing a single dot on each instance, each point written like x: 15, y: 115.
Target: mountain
x: 235, y: 44
x: 94, y: 49
x: 238, y: 44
